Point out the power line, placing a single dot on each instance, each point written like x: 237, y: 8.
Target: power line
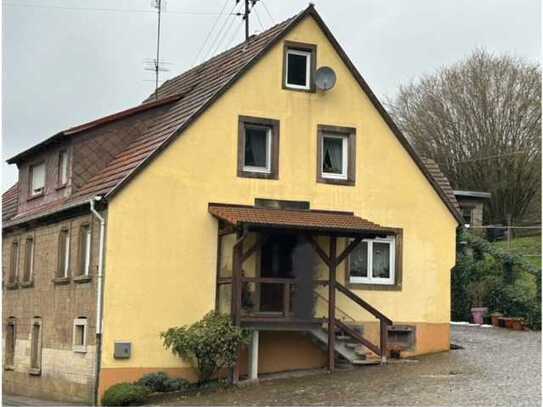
x: 259, y: 21
x: 268, y: 11
x: 214, y: 44
x: 210, y: 31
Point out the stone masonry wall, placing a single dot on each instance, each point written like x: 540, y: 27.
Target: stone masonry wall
x: 65, y: 373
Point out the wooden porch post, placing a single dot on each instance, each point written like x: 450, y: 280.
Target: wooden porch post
x: 332, y: 303
x: 237, y: 254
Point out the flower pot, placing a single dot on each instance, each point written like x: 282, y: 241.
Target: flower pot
x: 478, y: 313
x: 517, y: 324
x: 508, y: 323
x: 494, y: 318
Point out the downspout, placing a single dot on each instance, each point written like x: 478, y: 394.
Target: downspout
x: 100, y: 294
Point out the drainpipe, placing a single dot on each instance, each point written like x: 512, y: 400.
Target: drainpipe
x: 100, y: 293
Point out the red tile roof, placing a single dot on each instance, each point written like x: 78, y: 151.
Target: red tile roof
x: 325, y: 221
x: 441, y: 180
x: 9, y: 203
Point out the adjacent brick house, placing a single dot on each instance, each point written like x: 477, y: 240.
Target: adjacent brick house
x: 146, y: 219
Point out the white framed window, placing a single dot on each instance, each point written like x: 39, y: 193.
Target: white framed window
x: 37, y: 179
x: 258, y: 148
x: 79, y: 342
x: 298, y: 69
x: 62, y: 168
x: 84, y: 250
x: 63, y: 253
x: 373, y: 261
x: 334, y: 156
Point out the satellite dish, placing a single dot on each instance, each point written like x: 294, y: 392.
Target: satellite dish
x: 325, y: 78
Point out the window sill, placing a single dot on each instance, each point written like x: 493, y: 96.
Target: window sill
x: 12, y: 286
x: 26, y: 284
x: 375, y: 287
x: 82, y: 279
x: 61, y: 280
x: 255, y: 174
x: 35, y: 371
x: 9, y: 367
x: 33, y: 197
x: 59, y: 187
x: 79, y: 349
x: 334, y: 181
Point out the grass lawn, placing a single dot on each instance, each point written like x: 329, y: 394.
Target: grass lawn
x: 530, y: 246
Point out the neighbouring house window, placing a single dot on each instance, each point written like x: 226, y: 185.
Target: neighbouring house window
x: 84, y: 249
x: 63, y: 254
x: 80, y: 335
x: 14, y: 262
x: 29, y: 260
x: 373, y: 261
x: 35, y: 346
x: 299, y: 66
x: 62, y: 168
x: 258, y: 147
x: 336, y: 155
x: 467, y: 214
x: 37, y: 179
x: 10, y: 341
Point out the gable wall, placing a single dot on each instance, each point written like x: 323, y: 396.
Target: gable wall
x: 161, y: 249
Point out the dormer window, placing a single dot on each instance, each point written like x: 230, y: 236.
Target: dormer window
x: 258, y: 147
x: 299, y: 66
x: 37, y: 179
x: 62, y: 168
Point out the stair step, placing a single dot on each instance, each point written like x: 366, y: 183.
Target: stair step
x: 372, y: 361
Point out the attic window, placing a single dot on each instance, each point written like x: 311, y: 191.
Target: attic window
x: 37, y: 179
x: 299, y: 66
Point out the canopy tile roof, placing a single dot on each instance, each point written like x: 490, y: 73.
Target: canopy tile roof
x: 326, y: 221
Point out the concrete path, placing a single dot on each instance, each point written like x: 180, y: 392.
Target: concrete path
x: 12, y: 400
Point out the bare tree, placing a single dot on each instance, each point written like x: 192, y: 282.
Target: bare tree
x: 480, y: 120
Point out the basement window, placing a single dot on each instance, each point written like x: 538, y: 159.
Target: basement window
x: 79, y: 343
x: 37, y: 179
x: 258, y: 147
x: 299, y: 66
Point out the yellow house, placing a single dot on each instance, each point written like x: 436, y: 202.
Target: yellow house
x: 271, y: 184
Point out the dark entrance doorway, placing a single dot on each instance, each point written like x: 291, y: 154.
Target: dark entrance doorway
x: 287, y: 256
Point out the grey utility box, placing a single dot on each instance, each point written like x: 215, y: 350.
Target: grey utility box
x: 123, y: 350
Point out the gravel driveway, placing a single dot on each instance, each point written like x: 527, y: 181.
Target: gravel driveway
x: 497, y: 367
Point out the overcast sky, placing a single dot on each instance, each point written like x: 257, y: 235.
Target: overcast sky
x: 62, y: 67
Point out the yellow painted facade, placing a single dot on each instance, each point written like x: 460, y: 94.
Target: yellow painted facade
x: 161, y: 241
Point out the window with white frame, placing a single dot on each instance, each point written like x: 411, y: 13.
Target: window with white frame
x: 79, y: 343
x: 63, y: 253
x: 62, y: 168
x: 84, y: 249
x: 258, y: 148
x: 298, y: 69
x: 334, y: 156
x: 37, y: 179
x: 373, y: 261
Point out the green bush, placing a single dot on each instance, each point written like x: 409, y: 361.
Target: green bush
x: 125, y: 394
x: 487, y: 275
x: 160, y: 382
x: 210, y: 344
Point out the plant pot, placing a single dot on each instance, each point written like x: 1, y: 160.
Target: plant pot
x: 494, y: 318
x: 508, y: 322
x: 477, y: 314
x: 517, y: 324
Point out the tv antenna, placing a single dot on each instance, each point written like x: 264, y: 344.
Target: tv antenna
x: 157, y: 63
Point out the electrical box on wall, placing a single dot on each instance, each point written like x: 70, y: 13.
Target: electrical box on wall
x: 122, y: 350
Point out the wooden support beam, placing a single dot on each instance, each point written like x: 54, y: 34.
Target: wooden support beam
x: 348, y: 249
x: 383, y: 343
x: 218, y: 275
x: 227, y: 230
x: 260, y: 240
x: 332, y: 304
x: 318, y: 249
x: 352, y: 333
x: 237, y: 253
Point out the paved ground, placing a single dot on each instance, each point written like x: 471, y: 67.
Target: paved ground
x: 497, y: 367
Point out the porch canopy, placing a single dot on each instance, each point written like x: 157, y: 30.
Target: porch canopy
x: 242, y: 219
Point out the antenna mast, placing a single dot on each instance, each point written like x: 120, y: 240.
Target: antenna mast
x: 246, y: 13
x: 158, y: 6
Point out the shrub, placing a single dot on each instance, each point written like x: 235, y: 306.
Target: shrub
x: 160, y: 382
x: 210, y: 344
x: 125, y: 394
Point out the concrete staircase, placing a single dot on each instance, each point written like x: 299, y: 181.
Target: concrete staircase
x: 349, y: 352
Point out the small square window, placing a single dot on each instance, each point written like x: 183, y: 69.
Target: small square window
x: 336, y: 155
x: 80, y: 335
x: 37, y: 179
x: 299, y: 66
x: 258, y: 147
